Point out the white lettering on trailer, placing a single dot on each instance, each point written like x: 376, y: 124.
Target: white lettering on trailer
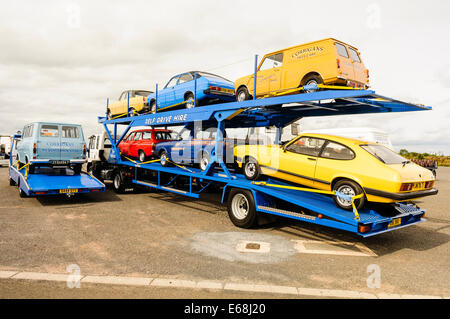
x: 166, y: 119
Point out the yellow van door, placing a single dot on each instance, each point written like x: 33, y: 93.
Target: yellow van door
x: 345, y: 64
x: 269, y: 74
x: 358, y: 67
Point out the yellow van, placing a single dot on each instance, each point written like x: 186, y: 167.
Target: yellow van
x: 327, y: 61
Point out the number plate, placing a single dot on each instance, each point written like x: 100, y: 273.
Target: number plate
x: 66, y: 191
x: 395, y: 222
x: 419, y: 185
x: 59, y: 162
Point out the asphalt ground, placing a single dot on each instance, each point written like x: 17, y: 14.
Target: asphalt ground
x: 162, y: 235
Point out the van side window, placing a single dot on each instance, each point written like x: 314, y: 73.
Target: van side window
x: 69, y: 132
x: 49, y: 130
x: 25, y: 131
x: 272, y: 61
x: 354, y: 55
x: 341, y: 50
x: 337, y: 151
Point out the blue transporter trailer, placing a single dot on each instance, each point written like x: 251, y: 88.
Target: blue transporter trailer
x: 246, y: 199
x: 49, y: 181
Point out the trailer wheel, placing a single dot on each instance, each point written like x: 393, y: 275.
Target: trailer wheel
x: 241, y: 208
x: 164, y: 159
x: 22, y: 194
x: 204, y: 161
x: 251, y: 169
x: 242, y: 94
x: 12, y: 182
x: 350, y: 188
x: 118, y: 183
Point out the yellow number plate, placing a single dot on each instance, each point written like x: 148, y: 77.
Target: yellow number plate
x: 65, y: 191
x: 418, y: 185
x: 395, y: 222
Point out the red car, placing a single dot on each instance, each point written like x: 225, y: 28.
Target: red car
x: 141, y: 143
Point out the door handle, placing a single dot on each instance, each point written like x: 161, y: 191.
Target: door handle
x: 311, y: 159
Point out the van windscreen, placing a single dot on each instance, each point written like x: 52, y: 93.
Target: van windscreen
x: 49, y: 130
x: 70, y: 132
x: 341, y: 50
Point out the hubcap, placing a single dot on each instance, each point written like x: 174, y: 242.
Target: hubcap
x: 250, y: 169
x: 240, y: 206
x: 141, y: 156
x: 346, y: 190
x: 190, y: 103
x: 204, y: 163
x: 163, y: 159
x: 309, y: 83
x: 241, y: 96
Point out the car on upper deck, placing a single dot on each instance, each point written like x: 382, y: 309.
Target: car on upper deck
x: 52, y: 144
x: 328, y: 61
x: 133, y: 101
x: 179, y: 91
x: 345, y: 165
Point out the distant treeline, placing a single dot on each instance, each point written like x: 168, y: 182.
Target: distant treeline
x: 441, y: 159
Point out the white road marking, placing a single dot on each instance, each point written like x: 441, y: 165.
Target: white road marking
x: 205, y: 284
x: 117, y: 280
x: 166, y: 282
x: 7, y: 274
x: 40, y: 276
x: 261, y: 288
x: 326, y: 248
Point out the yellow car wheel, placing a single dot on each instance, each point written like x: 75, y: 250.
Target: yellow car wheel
x: 349, y: 188
x: 251, y: 169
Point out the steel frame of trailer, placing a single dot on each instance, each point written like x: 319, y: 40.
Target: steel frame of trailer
x: 272, y: 111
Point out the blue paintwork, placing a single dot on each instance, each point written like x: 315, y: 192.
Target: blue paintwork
x: 171, y: 95
x: 50, y: 148
x: 46, y: 181
x: 266, y: 112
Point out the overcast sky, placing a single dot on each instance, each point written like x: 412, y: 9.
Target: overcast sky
x: 60, y: 60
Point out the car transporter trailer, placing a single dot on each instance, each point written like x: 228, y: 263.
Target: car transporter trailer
x: 246, y: 199
x: 49, y: 181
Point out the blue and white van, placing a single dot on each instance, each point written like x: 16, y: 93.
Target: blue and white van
x: 52, y: 144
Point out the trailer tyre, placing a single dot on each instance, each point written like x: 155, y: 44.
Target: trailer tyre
x: 351, y: 188
x: 203, y: 161
x: 251, y: 169
x: 12, y: 182
x: 118, y: 183
x: 22, y: 194
x: 241, y: 208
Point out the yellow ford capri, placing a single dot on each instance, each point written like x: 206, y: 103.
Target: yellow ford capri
x: 333, y: 163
